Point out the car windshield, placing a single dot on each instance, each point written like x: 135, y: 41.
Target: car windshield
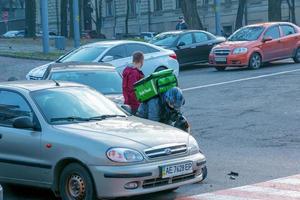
x: 106, y: 82
x: 84, y: 54
x: 63, y: 105
x: 247, y: 34
x: 164, y: 39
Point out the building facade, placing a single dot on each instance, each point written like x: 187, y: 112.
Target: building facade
x: 162, y: 15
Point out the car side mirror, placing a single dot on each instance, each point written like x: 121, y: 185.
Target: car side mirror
x: 267, y: 39
x: 23, y: 123
x: 126, y: 108
x: 180, y: 44
x: 108, y: 59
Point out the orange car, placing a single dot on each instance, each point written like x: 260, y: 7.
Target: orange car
x: 257, y: 44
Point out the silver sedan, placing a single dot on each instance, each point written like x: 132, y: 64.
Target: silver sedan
x: 71, y: 139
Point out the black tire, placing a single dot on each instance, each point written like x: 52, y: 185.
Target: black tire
x: 255, y: 61
x: 75, y: 183
x: 160, y: 68
x: 204, y: 173
x: 297, y: 56
x: 218, y: 68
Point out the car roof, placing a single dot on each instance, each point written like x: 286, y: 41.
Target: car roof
x: 81, y: 66
x: 111, y: 43
x: 36, y: 85
x: 183, y: 31
x: 267, y: 24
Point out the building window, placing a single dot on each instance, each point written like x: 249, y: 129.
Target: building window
x: 158, y: 5
x: 109, y: 8
x: 178, y: 4
x: 132, y: 7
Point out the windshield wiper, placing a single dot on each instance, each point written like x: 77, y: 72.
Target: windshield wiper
x: 102, y: 117
x: 71, y: 118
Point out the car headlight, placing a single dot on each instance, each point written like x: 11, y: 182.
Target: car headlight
x: 193, y: 145
x: 124, y: 155
x: 240, y: 50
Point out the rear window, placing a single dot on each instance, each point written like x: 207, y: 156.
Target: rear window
x: 85, y: 54
x: 106, y: 82
x: 287, y: 30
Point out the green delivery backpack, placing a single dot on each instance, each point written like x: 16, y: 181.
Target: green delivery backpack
x: 155, y: 84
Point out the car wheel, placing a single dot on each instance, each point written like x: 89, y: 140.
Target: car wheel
x: 160, y: 68
x: 255, y: 61
x: 204, y: 172
x: 218, y: 68
x: 297, y: 56
x: 76, y: 183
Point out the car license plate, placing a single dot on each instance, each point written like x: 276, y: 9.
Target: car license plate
x: 177, y: 169
x: 220, y: 59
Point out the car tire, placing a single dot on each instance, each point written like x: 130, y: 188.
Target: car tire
x: 255, y: 61
x: 297, y: 56
x: 76, y: 183
x: 204, y: 173
x: 160, y: 68
x: 218, y: 68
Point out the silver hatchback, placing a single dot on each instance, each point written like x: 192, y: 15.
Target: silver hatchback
x: 73, y: 140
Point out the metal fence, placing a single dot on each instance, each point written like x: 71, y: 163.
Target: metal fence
x: 17, y: 24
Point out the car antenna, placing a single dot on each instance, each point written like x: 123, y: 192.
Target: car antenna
x: 56, y: 83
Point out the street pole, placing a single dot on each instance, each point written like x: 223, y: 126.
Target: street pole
x: 76, y: 24
x: 217, y: 17
x: 44, y: 17
x: 139, y: 20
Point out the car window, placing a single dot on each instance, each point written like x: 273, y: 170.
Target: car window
x: 78, y: 102
x: 201, y: 37
x: 152, y: 50
x: 187, y: 39
x: 273, y: 32
x: 117, y: 52
x: 106, y: 82
x: 12, y: 106
x: 85, y: 54
x: 164, y: 39
x: 287, y: 30
x: 131, y: 48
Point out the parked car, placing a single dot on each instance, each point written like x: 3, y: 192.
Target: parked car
x: 118, y: 54
x: 147, y: 36
x: 257, y: 44
x: 102, y: 77
x: 72, y: 139
x: 190, y: 46
x: 13, y: 34
x: 51, y: 34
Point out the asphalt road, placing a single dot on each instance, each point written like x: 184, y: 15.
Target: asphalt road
x: 245, y: 121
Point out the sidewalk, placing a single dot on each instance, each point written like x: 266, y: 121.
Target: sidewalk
x: 287, y: 188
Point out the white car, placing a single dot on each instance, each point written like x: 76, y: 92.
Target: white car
x: 13, y: 34
x: 118, y: 54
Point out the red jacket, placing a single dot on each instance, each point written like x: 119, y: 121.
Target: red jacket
x: 130, y: 76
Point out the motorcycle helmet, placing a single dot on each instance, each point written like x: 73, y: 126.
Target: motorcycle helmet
x: 174, y: 98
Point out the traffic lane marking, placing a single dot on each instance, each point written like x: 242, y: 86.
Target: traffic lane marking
x: 287, y: 188
x: 240, y: 80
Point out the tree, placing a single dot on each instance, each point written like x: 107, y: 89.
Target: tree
x: 274, y: 10
x: 64, y: 18
x: 292, y: 13
x: 240, y: 14
x: 98, y: 5
x: 190, y: 12
x: 30, y: 18
x: 127, y: 16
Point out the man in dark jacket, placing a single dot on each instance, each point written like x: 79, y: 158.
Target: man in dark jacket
x: 164, y: 108
x: 131, y: 75
x: 181, y: 24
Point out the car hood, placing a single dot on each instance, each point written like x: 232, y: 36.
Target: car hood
x: 145, y: 132
x: 234, y: 44
x: 38, y: 72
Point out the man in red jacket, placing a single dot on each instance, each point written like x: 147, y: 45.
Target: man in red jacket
x: 131, y: 75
